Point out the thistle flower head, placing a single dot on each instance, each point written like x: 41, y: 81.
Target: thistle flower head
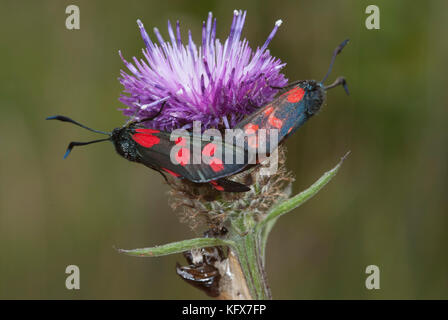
x: 217, y: 83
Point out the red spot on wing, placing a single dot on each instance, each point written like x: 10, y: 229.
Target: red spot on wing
x: 181, y: 141
x: 275, y: 122
x: 216, y: 186
x: 209, y: 149
x: 268, y: 111
x: 183, y: 156
x: 174, y: 174
x: 250, y: 128
x: 290, y: 129
x: 146, y: 140
x: 295, y: 95
x: 147, y: 131
x: 216, y: 164
x: 252, y: 141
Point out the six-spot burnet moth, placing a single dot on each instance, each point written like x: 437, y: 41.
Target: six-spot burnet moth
x: 293, y: 108
x: 153, y: 147
x: 284, y: 116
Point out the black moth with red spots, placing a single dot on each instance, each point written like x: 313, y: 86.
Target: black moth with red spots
x: 153, y: 148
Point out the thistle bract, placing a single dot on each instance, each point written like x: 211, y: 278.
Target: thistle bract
x: 217, y: 83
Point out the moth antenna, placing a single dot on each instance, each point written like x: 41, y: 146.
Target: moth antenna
x: 333, y: 58
x: 339, y: 81
x: 75, y: 144
x: 67, y: 119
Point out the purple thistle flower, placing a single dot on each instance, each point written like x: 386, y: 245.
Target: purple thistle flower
x: 217, y: 84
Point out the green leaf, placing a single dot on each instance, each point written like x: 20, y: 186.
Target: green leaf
x: 177, y: 247
x: 302, y: 197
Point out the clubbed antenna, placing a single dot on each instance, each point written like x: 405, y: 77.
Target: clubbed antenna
x: 67, y: 119
x: 75, y: 144
x: 339, y: 81
x: 333, y: 58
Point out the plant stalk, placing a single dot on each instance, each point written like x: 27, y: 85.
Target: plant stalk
x: 249, y: 252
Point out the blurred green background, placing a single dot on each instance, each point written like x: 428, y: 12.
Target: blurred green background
x: 387, y: 206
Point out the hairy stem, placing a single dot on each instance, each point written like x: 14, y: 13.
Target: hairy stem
x: 250, y: 237
x: 249, y: 253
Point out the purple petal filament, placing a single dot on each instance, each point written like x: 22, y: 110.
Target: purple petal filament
x: 216, y: 83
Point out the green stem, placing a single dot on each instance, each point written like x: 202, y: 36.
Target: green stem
x: 264, y: 234
x: 249, y: 253
x: 250, y: 237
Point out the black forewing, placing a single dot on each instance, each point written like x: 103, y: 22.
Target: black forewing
x: 281, y: 115
x: 158, y: 157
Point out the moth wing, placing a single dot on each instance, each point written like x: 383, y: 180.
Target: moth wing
x: 187, y: 162
x: 281, y: 115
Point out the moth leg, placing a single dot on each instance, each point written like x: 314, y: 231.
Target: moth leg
x: 164, y: 176
x: 229, y: 185
x: 159, y: 171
